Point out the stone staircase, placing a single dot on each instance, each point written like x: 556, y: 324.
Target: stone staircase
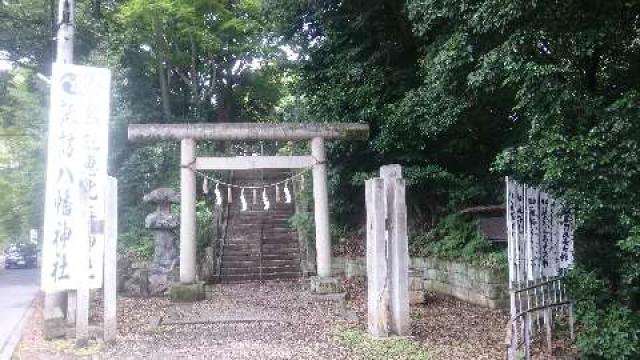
x: 260, y: 244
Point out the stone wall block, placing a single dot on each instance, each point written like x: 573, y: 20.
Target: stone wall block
x: 418, y: 263
x: 485, y: 287
x: 428, y: 263
x: 415, y: 283
x: 431, y: 274
x: 443, y: 276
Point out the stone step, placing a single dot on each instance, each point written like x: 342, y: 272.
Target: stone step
x: 264, y: 276
x: 262, y: 227
x: 259, y: 218
x: 253, y: 221
x: 265, y: 246
x: 254, y: 243
x: 258, y: 208
x: 265, y: 252
x: 260, y: 213
x: 256, y: 263
x: 256, y: 270
x: 265, y: 257
x: 255, y: 237
x: 259, y: 240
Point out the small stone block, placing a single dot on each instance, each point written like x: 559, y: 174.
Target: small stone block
x: 326, y: 285
x: 179, y: 292
x: 54, y: 327
x: 337, y: 300
x: 416, y: 297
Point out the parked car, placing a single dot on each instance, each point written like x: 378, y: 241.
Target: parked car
x: 20, y: 256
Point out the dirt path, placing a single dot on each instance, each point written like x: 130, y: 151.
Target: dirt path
x: 272, y: 321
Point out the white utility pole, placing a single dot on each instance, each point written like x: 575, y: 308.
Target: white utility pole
x: 54, y: 303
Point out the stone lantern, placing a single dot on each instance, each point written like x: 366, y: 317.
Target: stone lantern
x: 164, y: 226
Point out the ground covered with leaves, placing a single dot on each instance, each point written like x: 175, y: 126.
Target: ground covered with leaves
x: 279, y: 321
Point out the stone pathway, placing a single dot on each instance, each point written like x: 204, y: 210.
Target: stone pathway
x: 273, y: 321
x: 229, y: 325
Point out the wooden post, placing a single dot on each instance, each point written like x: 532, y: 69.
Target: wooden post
x: 187, y: 212
x: 321, y: 208
x: 110, y: 261
x: 377, y: 271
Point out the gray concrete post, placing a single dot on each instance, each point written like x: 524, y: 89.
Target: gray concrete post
x: 377, y: 270
x: 187, y: 212
x: 321, y: 207
x: 82, y: 292
x: 398, y: 256
x: 387, y: 254
x: 110, y: 261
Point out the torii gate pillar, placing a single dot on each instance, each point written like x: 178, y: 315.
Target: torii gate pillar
x: 187, y: 212
x: 321, y: 208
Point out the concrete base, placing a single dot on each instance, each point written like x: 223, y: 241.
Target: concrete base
x: 54, y: 326
x: 179, y: 292
x: 326, y: 285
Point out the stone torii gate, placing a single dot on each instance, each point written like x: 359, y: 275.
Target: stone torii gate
x: 189, y: 134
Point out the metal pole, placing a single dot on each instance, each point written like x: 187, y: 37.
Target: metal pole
x: 55, y: 301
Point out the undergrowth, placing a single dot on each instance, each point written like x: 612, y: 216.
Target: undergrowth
x: 362, y: 346
x: 458, y: 238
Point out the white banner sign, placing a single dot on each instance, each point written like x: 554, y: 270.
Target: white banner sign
x: 540, y: 232
x: 76, y: 177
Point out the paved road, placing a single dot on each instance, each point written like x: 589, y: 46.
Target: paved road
x: 18, y: 287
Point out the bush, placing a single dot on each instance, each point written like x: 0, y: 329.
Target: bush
x: 606, y: 328
x: 458, y: 238
x: 612, y: 332
x: 136, y: 244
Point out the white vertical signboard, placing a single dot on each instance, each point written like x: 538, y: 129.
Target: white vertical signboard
x: 76, y: 176
x: 540, y: 232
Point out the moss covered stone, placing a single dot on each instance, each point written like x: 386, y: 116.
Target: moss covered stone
x: 179, y: 292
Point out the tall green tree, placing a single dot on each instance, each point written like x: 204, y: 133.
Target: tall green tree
x: 545, y: 91
x: 22, y: 149
x: 205, y: 53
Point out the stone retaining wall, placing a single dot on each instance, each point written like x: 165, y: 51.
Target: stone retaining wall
x: 473, y: 284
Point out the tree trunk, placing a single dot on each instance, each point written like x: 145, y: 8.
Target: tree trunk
x: 162, y: 77
x: 194, y: 79
x: 164, y: 92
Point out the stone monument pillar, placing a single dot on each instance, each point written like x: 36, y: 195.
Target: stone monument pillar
x: 164, y: 226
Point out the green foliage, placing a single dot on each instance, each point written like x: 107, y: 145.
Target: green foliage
x: 137, y: 243
x: 204, y: 54
x: 630, y: 267
x: 362, y: 346
x: 607, y: 329
x: 458, y: 238
x: 204, y: 224
x: 609, y: 333
x: 303, y: 220
x: 22, y: 148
